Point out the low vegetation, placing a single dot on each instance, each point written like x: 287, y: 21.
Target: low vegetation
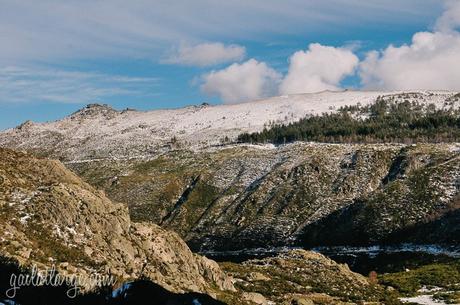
x: 443, y: 275
x: 302, y: 275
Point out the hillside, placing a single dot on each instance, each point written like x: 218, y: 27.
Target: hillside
x: 299, y: 194
x: 301, y: 277
x: 389, y: 120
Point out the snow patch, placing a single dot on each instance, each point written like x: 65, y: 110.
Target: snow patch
x: 423, y: 300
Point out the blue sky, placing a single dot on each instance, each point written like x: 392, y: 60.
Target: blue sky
x: 57, y: 56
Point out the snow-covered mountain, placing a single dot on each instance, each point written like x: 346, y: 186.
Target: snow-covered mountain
x: 100, y: 132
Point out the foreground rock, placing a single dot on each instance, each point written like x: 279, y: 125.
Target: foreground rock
x: 49, y: 216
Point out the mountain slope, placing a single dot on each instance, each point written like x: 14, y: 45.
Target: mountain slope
x: 303, y: 277
x: 248, y: 196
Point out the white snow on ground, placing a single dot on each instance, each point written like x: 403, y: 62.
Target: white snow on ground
x: 373, y: 251
x: 105, y: 133
x: 426, y: 289
x: 423, y: 300
x: 25, y: 218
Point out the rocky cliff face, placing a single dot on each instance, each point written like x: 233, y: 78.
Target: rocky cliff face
x: 301, y: 194
x: 49, y: 216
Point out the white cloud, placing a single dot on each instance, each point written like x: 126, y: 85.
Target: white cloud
x: 431, y: 61
x: 242, y: 82
x: 317, y: 69
x: 206, y: 54
x: 450, y: 19
x: 38, y: 84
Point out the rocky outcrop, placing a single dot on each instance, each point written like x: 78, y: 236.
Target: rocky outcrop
x: 49, y: 216
x: 95, y: 110
x: 304, y: 277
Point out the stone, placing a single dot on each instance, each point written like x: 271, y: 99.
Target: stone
x: 255, y: 297
x: 302, y: 301
x: 257, y: 276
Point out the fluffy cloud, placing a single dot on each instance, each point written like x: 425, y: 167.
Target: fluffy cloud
x: 239, y: 82
x: 431, y: 61
x: 450, y: 19
x: 206, y: 54
x: 317, y: 69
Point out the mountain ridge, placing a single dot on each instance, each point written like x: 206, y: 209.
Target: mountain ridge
x: 109, y: 133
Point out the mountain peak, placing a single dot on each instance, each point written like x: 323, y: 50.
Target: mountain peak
x: 26, y: 125
x: 95, y: 109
